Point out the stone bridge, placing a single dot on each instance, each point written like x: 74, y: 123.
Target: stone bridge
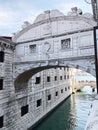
x: 54, y: 40
x: 81, y: 84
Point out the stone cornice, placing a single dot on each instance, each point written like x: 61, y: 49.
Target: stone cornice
x: 6, y: 44
x: 59, y: 60
x: 54, y: 36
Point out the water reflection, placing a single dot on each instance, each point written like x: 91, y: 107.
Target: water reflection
x: 71, y: 115
x: 62, y: 118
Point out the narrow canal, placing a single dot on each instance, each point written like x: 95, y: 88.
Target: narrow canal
x: 72, y: 114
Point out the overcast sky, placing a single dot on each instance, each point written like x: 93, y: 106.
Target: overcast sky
x: 14, y: 12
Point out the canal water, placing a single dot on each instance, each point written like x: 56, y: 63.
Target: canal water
x: 72, y: 114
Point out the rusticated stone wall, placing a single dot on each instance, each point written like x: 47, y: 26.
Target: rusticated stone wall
x: 22, y: 107
x: 7, y: 91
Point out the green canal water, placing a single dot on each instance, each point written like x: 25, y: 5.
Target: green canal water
x: 72, y: 114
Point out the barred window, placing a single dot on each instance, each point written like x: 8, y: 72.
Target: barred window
x: 1, y: 121
x: 55, y: 78
x: 38, y: 80
x: 48, y: 78
x: 49, y: 97
x: 65, y: 44
x: 39, y: 102
x: 65, y: 89
x: 1, y: 56
x: 32, y: 48
x: 60, y: 77
x: 24, y: 110
x: 64, y: 76
x: 61, y: 90
x: 1, y: 84
x: 56, y: 93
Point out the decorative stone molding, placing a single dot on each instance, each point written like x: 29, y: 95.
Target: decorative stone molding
x: 75, y: 12
x: 6, y: 44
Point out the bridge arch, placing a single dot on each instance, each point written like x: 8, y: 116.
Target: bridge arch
x: 25, y: 73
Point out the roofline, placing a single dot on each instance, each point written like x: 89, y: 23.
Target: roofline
x: 6, y: 40
x: 60, y: 18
